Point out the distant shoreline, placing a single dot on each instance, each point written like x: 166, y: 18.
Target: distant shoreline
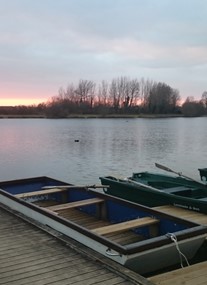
x: 91, y: 116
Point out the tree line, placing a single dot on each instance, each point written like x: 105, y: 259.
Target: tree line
x: 120, y: 96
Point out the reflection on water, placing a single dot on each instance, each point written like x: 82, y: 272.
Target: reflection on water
x: 35, y: 147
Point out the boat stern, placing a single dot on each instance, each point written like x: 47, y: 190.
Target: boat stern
x: 203, y: 174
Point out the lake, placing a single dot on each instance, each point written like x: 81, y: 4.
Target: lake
x: 80, y: 150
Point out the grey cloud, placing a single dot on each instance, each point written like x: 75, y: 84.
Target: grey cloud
x: 61, y: 41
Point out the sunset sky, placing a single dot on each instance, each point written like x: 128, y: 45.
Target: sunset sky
x: 47, y: 44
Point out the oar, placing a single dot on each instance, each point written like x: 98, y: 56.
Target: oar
x: 75, y: 186
x: 178, y: 173
x: 142, y: 185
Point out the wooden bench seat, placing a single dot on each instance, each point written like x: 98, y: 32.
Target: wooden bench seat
x: 39, y: 193
x: 75, y: 204
x: 124, y: 226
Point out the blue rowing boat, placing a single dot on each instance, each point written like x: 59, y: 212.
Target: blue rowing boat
x: 140, y: 238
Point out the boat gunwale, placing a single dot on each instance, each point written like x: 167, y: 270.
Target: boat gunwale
x: 150, y: 190
x: 104, y: 196
x: 134, y: 248
x: 32, y: 179
x: 178, y: 180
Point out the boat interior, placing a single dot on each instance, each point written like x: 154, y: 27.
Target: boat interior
x: 104, y: 216
x: 185, y: 191
x: 96, y: 214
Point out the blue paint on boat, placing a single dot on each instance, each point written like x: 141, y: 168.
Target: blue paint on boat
x: 113, y: 211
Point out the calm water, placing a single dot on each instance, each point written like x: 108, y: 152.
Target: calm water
x: 36, y: 147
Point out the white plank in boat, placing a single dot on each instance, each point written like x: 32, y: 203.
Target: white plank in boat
x: 124, y: 226
x: 29, y: 255
x: 75, y: 204
x: 41, y: 192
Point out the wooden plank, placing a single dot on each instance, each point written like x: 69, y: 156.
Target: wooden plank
x: 91, y: 222
x: 120, y: 227
x: 191, y: 275
x: 40, y: 192
x: 76, y: 204
x: 34, y: 256
x: 192, y: 216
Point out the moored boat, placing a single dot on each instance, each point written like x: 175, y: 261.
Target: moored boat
x: 203, y: 173
x: 154, y: 189
x: 133, y: 235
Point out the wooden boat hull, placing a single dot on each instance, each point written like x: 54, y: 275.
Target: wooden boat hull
x: 190, y: 195
x: 140, y: 255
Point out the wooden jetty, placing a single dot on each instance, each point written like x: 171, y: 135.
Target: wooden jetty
x: 33, y: 254
x: 192, y: 275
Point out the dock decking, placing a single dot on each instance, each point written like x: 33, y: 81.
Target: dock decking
x: 193, y: 275
x: 29, y: 255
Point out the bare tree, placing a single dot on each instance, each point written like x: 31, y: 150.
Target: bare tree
x: 145, y: 89
x: 162, y: 99
x: 103, y: 93
x: 113, y: 94
x: 134, y: 94
x: 124, y: 92
x: 204, y: 99
x: 85, y: 91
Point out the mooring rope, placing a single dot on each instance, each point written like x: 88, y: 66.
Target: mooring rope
x: 181, y: 255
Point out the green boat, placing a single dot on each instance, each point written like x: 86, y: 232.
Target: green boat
x: 154, y: 189
x: 203, y: 173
